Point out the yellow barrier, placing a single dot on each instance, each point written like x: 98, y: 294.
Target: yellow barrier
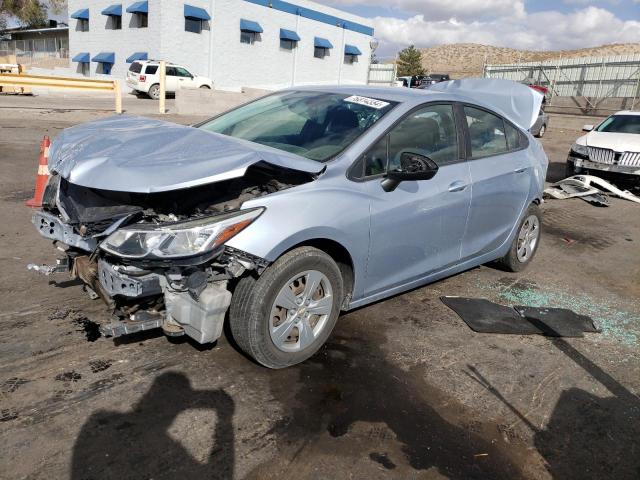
x: 22, y: 80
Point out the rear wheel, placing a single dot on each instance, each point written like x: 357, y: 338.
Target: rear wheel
x: 525, y: 244
x: 154, y: 92
x: 284, y: 316
x: 206, y: 87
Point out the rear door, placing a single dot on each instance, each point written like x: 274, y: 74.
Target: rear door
x: 500, y: 179
x: 417, y: 228
x: 171, y: 79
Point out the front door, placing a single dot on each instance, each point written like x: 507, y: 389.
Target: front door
x: 500, y: 179
x: 417, y: 228
x: 185, y: 79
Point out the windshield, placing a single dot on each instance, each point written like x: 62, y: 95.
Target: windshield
x: 315, y: 125
x: 620, y: 124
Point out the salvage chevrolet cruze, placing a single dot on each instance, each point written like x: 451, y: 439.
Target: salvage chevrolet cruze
x: 279, y: 214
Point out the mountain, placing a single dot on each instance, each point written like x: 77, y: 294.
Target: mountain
x: 467, y: 59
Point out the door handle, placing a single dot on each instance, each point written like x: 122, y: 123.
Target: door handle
x: 520, y: 170
x: 457, y: 186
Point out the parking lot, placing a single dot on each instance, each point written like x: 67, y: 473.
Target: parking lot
x: 403, y: 388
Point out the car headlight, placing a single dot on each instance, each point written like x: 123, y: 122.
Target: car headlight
x: 181, y: 239
x: 579, y: 150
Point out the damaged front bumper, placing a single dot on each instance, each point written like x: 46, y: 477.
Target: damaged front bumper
x: 191, y: 300
x: 585, y: 164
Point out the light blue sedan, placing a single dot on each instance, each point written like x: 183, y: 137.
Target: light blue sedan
x: 287, y: 210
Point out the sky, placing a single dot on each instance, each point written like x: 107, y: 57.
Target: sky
x: 521, y: 24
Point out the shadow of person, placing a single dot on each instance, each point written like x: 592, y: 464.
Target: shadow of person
x: 137, y: 444
x: 590, y: 436
x: 587, y: 436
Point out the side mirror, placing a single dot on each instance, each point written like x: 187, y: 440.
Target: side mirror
x: 413, y: 166
x: 587, y: 128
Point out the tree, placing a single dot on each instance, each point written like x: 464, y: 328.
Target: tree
x: 410, y: 62
x: 31, y: 13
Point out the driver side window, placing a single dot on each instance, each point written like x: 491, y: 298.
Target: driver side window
x: 429, y: 131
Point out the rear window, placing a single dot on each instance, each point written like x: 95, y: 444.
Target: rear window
x: 135, y: 67
x: 151, y: 69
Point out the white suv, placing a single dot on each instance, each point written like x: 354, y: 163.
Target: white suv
x: 143, y: 76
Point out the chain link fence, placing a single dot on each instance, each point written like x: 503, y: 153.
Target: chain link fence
x: 31, y: 52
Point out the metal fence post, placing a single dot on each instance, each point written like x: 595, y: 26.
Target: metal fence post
x: 118, y: 94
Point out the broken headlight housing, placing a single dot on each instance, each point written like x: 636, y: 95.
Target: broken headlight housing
x: 580, y: 151
x: 180, y: 239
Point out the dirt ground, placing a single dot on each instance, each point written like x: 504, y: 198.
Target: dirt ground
x: 403, y: 389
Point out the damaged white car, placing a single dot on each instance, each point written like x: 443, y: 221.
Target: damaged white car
x: 287, y: 210
x: 613, y: 147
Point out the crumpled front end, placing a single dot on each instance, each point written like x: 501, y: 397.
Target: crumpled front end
x: 158, y: 260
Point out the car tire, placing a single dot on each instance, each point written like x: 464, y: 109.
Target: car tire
x: 255, y: 299
x: 154, y: 91
x: 541, y: 132
x: 526, y: 242
x: 570, y: 170
x: 205, y: 86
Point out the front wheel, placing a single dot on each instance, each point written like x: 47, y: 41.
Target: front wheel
x: 542, y: 131
x: 525, y: 244
x: 284, y: 316
x: 206, y: 87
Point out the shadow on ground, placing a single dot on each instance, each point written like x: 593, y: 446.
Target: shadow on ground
x: 588, y: 436
x: 350, y: 381
x: 137, y: 444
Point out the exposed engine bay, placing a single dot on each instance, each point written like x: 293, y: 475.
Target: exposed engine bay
x: 133, y: 250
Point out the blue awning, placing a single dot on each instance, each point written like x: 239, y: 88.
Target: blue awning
x: 137, y: 56
x: 352, y: 50
x: 82, y: 57
x: 81, y: 14
x: 113, y: 10
x: 195, y: 13
x: 289, y: 35
x: 322, y: 43
x: 105, y: 57
x: 139, y: 7
x: 249, y: 26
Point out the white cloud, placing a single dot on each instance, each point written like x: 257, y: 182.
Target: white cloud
x: 547, y: 30
x: 445, y: 10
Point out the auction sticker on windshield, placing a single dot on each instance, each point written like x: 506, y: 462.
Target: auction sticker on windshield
x: 366, y: 101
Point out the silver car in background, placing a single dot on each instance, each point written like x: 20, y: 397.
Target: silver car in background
x: 287, y: 210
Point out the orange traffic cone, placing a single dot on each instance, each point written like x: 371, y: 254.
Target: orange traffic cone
x: 43, y: 174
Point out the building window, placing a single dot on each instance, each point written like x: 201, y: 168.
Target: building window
x: 85, y: 69
x: 287, y: 44
x: 142, y: 20
x: 320, y: 52
x: 247, y: 37
x: 115, y: 22
x: 83, y: 25
x: 350, y: 59
x: 104, y: 68
x: 193, y: 25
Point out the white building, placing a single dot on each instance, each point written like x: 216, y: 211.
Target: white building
x: 252, y: 43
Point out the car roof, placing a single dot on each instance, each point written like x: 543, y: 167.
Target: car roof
x: 627, y: 112
x: 393, y: 94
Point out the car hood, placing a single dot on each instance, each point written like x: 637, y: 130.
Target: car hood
x: 133, y: 154
x: 619, y: 142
